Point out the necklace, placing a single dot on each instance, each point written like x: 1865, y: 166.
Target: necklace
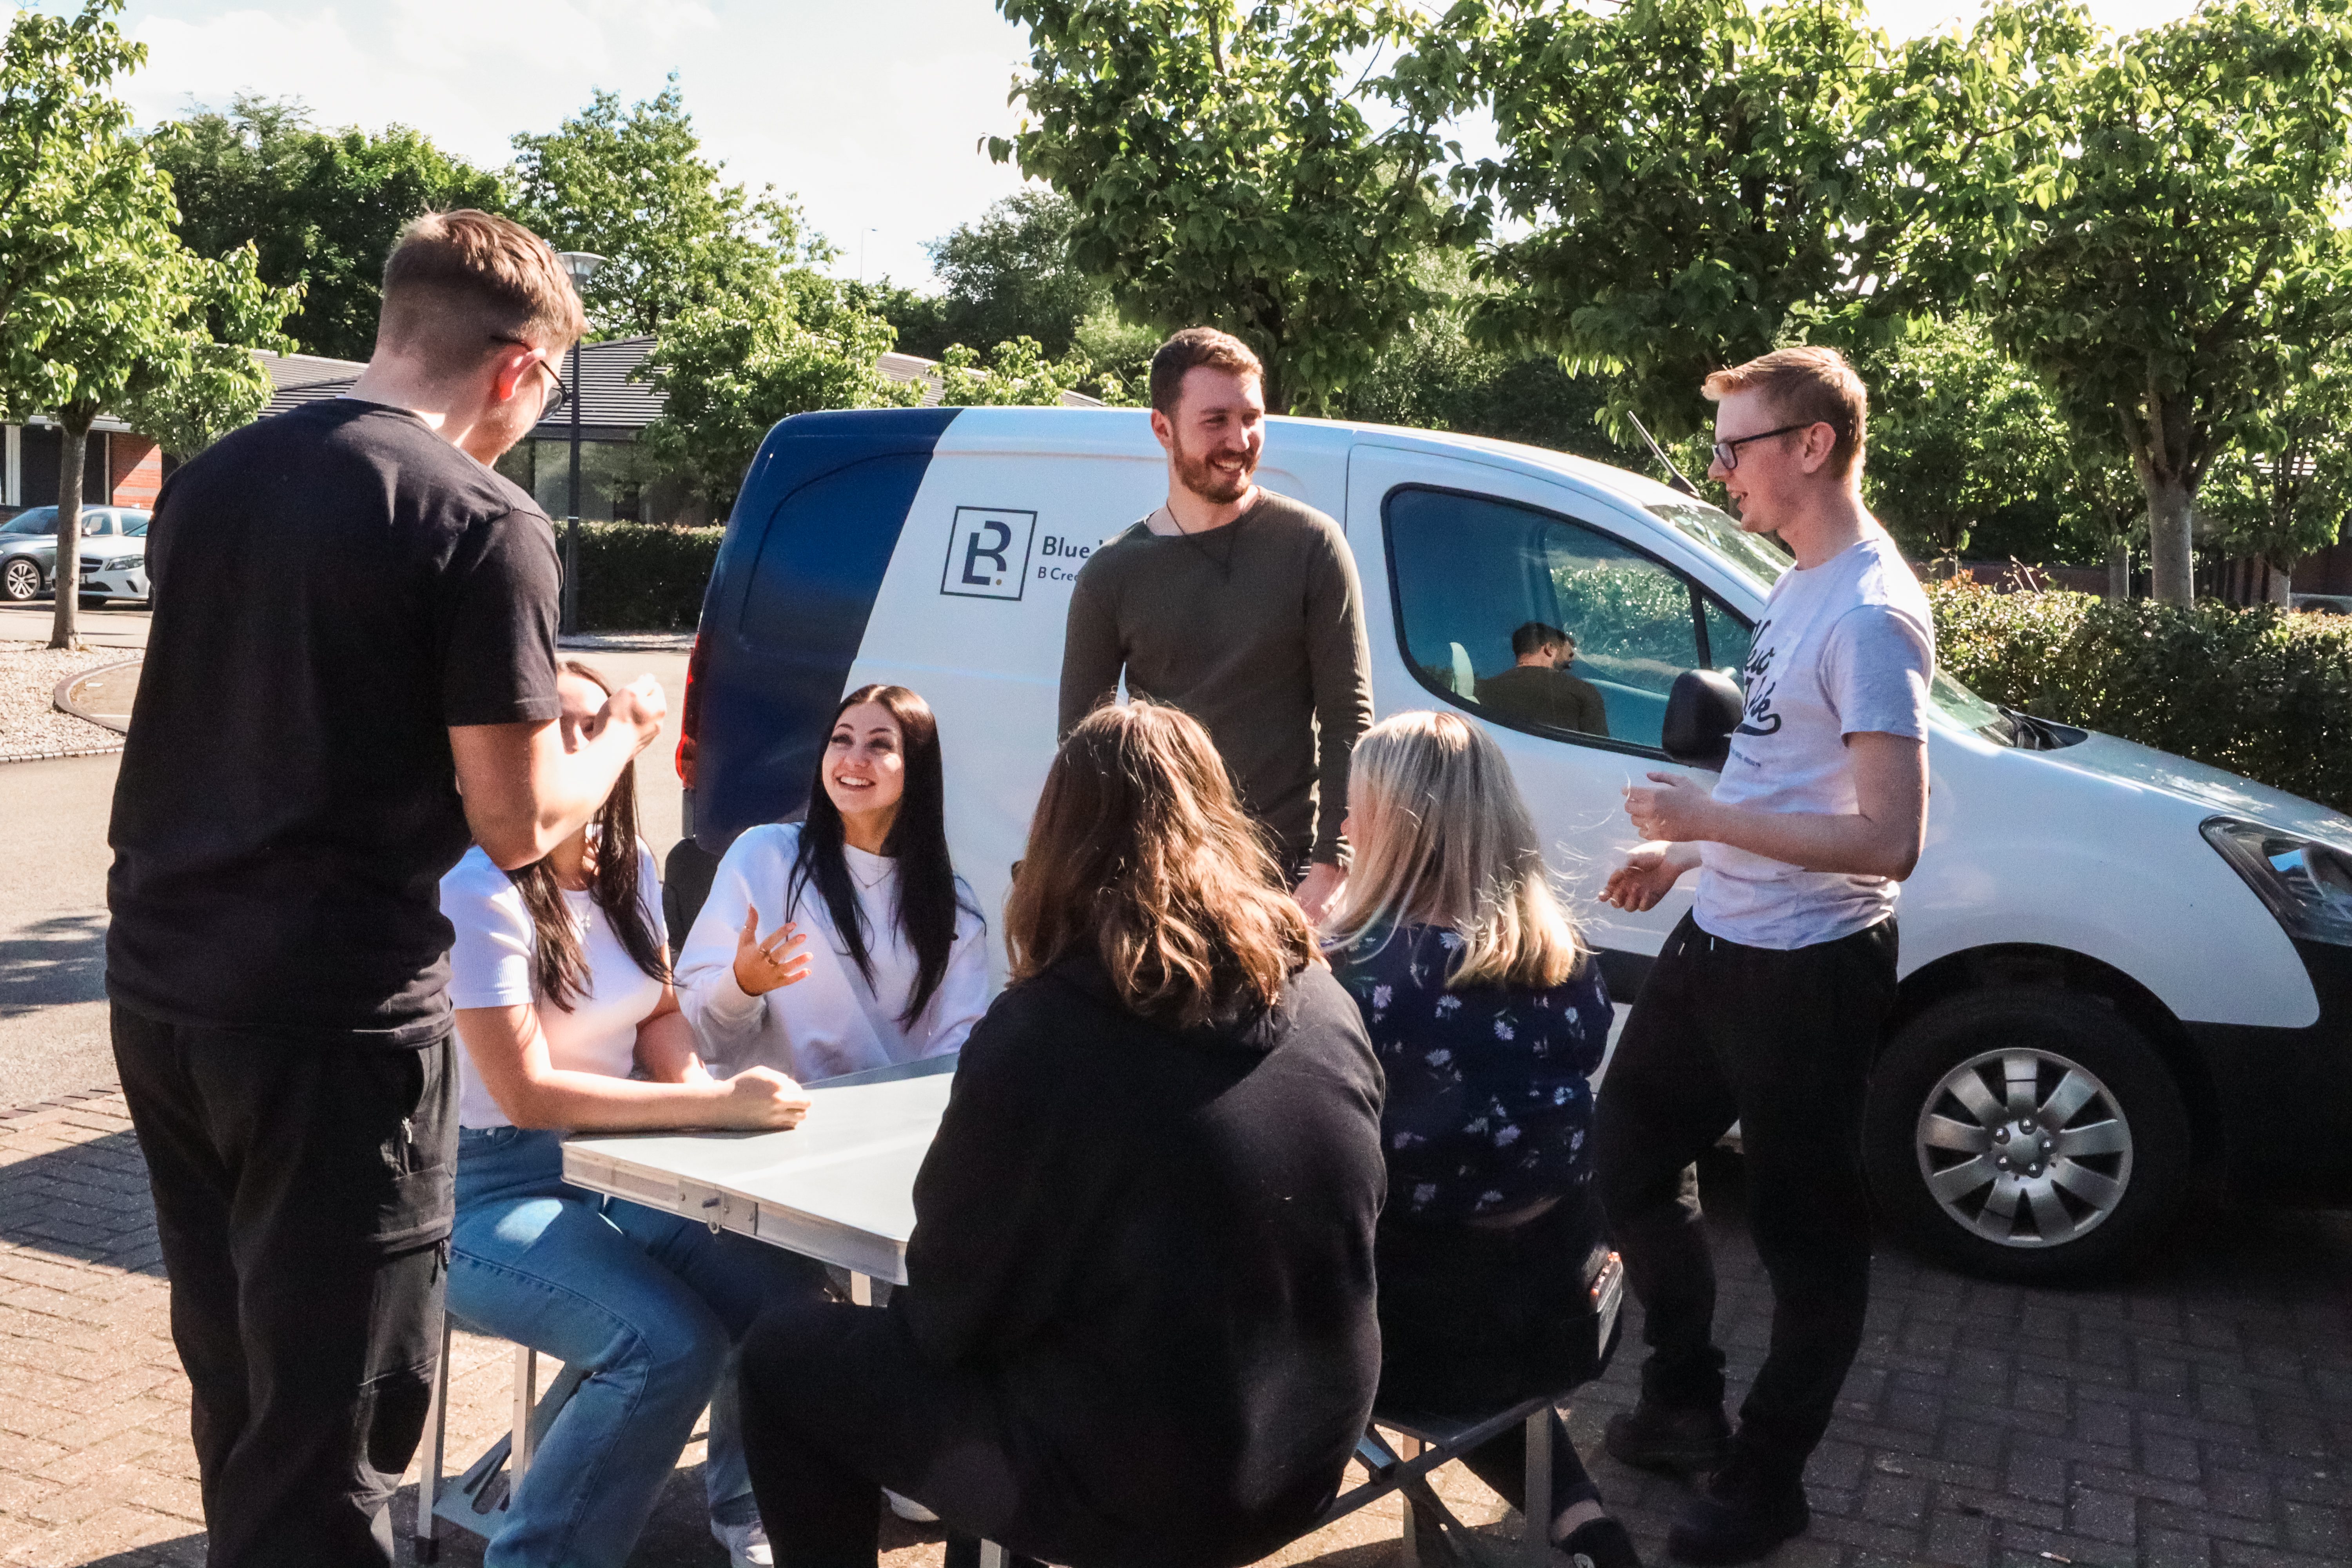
x: 1200, y: 542
x: 880, y: 876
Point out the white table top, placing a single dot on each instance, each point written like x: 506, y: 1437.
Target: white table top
x: 839, y: 1187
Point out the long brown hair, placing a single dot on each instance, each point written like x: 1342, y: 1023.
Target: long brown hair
x: 1441, y: 838
x: 918, y: 842
x: 1140, y: 853
x: 559, y: 965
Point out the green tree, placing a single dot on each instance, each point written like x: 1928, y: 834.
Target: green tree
x: 1698, y: 181
x: 1221, y: 169
x: 2286, y: 490
x: 1021, y: 377
x: 2164, y: 225
x: 632, y: 187
x: 1962, y: 436
x: 788, y: 343
x: 322, y: 208
x: 1009, y: 275
x: 101, y: 307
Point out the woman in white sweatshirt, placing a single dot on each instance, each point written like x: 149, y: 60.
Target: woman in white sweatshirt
x: 874, y: 951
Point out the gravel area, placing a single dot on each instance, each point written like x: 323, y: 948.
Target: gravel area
x: 30, y: 724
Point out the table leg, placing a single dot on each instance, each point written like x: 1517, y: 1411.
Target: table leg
x: 992, y: 1555
x: 1537, y: 1543
x: 436, y: 1444
x: 861, y: 1292
x: 526, y: 1399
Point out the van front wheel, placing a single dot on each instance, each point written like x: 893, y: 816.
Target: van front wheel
x: 2026, y: 1134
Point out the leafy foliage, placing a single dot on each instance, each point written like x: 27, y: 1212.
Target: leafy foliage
x: 633, y: 187
x: 320, y: 209
x: 1222, y: 171
x: 1008, y: 274
x: 637, y: 576
x: 2286, y: 489
x: 2162, y: 222
x: 786, y: 343
x: 2257, y: 692
x: 1021, y: 376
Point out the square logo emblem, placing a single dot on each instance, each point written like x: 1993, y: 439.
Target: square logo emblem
x: 988, y: 552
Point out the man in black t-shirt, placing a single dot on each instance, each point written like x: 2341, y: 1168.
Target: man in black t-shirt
x: 351, y: 672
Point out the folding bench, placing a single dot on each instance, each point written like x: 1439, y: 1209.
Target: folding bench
x: 1440, y: 1440
x: 476, y: 1499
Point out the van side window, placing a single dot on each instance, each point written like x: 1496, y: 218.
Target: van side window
x: 1729, y: 638
x: 1544, y: 624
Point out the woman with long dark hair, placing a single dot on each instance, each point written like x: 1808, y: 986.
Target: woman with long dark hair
x: 561, y: 989
x: 1138, y: 1321
x: 845, y: 941
x: 1489, y: 1017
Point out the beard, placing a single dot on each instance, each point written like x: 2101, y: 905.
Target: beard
x: 1197, y: 474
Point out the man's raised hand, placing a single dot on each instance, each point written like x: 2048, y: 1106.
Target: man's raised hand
x: 1675, y: 811
x: 1648, y: 875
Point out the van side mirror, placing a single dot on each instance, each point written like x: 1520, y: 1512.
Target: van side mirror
x: 1702, y: 708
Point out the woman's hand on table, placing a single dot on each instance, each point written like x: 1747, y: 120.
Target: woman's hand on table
x: 759, y: 1096
x: 762, y: 966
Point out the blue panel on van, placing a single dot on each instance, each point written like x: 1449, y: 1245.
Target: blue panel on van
x: 806, y: 548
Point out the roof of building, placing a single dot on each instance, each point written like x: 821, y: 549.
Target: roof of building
x: 612, y: 404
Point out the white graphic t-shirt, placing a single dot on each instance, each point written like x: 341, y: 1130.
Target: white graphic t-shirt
x: 1845, y: 648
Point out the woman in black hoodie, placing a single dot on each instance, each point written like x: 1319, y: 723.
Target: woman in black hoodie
x: 1139, y: 1328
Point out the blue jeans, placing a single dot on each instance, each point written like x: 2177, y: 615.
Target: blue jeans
x: 653, y: 1302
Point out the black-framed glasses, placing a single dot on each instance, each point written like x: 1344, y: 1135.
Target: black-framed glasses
x: 562, y: 394
x: 1728, y: 452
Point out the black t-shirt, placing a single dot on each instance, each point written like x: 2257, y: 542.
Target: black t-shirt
x: 333, y: 589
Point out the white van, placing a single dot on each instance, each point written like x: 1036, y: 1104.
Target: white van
x: 2118, y: 966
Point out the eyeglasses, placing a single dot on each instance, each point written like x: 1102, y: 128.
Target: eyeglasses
x: 562, y: 394
x: 1728, y: 452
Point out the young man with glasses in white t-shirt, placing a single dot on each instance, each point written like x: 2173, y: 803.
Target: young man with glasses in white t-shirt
x: 1767, y: 1003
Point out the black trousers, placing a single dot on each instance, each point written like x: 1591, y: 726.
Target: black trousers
x: 1780, y: 1042
x: 1473, y: 1320
x: 303, y: 1199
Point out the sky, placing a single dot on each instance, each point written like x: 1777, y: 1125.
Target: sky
x: 872, y: 114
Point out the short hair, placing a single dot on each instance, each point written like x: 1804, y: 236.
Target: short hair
x: 1536, y: 634
x: 1187, y: 351
x: 457, y: 282
x: 1141, y: 855
x: 1812, y: 384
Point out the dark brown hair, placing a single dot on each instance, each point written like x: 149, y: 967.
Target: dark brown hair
x: 559, y: 963
x: 1814, y: 387
x: 1189, y: 350
x: 1140, y: 854
x: 918, y: 842
x: 458, y: 283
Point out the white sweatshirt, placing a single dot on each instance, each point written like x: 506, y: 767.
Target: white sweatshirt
x: 832, y: 1022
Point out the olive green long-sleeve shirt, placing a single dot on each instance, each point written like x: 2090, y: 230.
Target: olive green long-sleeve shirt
x: 1256, y: 629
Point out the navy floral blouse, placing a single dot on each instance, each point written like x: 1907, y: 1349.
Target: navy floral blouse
x: 1489, y: 1100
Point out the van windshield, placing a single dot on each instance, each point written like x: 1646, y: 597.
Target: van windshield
x: 1762, y: 559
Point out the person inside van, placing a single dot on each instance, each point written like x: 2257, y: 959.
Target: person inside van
x: 1488, y: 1016
x: 1239, y: 605
x: 1539, y: 688
x: 1138, y: 1325
x: 898, y: 966
x: 561, y: 989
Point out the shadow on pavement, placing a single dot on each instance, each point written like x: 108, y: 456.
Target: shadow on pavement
x: 88, y: 1201
x: 60, y: 959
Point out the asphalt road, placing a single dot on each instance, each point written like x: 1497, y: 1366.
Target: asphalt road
x: 53, y: 1034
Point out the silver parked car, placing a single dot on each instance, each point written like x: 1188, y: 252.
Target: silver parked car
x: 113, y: 555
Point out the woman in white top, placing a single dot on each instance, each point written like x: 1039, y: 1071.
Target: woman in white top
x: 561, y: 989
x: 879, y: 954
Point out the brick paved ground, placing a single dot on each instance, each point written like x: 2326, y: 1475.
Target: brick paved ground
x: 2199, y: 1414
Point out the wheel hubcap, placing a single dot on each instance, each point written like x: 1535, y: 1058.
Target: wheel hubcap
x: 2024, y: 1148
x: 24, y: 579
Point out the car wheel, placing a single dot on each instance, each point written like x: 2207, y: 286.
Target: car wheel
x: 20, y: 580
x: 2026, y: 1134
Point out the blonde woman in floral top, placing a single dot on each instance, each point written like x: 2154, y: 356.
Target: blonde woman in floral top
x: 1488, y: 1017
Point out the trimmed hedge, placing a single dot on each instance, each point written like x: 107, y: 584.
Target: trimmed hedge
x: 2258, y: 691
x: 642, y: 577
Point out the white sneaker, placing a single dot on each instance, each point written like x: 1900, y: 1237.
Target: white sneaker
x: 747, y: 1544
x: 907, y: 1509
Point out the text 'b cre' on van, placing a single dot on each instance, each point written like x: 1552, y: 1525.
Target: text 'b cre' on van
x: 2117, y: 966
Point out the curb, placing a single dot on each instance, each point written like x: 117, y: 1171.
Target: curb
x: 62, y: 1102
x: 57, y: 756
x: 63, y: 696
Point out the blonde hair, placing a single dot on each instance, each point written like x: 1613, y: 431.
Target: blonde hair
x: 1816, y: 386
x: 1140, y: 854
x: 460, y: 283
x: 1443, y: 838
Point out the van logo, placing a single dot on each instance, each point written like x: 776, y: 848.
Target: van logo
x: 988, y: 552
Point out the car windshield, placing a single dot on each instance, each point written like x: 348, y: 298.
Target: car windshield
x: 134, y: 523
x: 40, y: 520
x: 1761, y: 560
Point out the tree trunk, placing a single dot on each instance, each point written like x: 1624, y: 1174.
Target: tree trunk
x: 2280, y: 588
x: 2119, y: 568
x: 72, y: 447
x: 2171, y: 561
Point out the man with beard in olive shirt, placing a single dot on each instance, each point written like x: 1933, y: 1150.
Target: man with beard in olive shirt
x: 350, y: 674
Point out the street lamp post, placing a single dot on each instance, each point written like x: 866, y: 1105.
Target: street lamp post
x: 579, y: 266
